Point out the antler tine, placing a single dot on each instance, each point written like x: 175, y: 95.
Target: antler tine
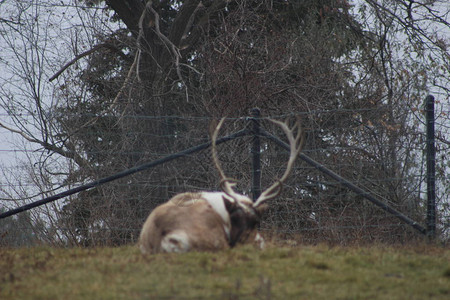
x: 226, y: 184
x: 296, y: 141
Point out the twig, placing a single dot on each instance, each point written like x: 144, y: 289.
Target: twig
x: 28, y: 138
x: 69, y: 154
x: 174, y: 49
x: 79, y: 56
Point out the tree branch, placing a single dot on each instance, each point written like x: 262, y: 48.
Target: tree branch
x: 79, y: 56
x: 69, y: 154
x: 184, y: 19
x: 195, y: 34
x: 171, y: 46
x: 129, y: 12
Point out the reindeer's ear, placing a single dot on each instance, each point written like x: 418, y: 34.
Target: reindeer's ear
x: 229, y: 205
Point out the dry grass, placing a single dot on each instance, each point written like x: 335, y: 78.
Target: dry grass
x: 310, y: 272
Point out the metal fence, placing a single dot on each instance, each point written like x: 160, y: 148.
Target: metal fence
x: 330, y: 196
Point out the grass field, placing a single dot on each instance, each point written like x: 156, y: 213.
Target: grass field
x: 309, y: 272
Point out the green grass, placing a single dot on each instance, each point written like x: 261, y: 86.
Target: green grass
x: 310, y: 272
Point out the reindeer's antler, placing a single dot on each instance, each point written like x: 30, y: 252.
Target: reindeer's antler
x: 226, y: 184
x: 296, y: 140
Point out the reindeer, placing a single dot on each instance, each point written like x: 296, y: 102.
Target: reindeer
x: 211, y: 221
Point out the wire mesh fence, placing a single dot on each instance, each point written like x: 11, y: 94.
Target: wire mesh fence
x: 386, y: 162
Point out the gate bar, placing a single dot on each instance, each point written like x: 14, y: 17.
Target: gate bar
x: 431, y: 168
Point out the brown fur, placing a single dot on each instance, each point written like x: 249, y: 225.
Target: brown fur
x: 203, y: 225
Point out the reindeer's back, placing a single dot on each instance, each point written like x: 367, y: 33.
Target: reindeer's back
x: 175, y: 226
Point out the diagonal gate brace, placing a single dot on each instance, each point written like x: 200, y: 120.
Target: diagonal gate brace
x: 348, y: 184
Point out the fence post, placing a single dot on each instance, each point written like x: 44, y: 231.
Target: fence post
x: 431, y: 168
x: 256, y: 154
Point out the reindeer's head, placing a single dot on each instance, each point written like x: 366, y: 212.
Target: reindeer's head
x: 244, y: 213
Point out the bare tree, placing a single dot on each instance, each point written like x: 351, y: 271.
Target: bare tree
x: 94, y: 88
